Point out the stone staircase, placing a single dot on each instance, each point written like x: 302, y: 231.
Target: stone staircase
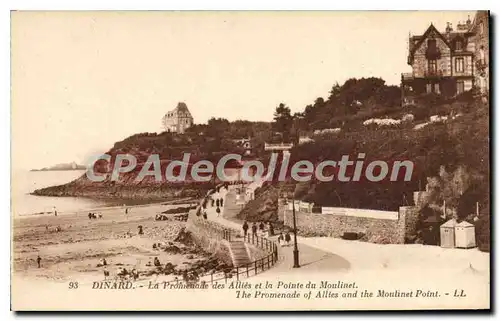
x: 239, y: 253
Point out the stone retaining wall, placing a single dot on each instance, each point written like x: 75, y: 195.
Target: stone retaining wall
x: 209, y: 238
x: 386, y: 231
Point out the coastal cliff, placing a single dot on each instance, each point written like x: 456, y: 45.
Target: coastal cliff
x: 126, y: 188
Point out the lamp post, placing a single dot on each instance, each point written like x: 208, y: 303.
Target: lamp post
x: 295, y: 247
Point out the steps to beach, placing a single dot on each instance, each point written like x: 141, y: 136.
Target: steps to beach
x: 239, y: 253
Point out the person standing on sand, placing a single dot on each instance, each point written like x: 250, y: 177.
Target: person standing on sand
x: 38, y: 261
x: 217, y: 203
x: 126, y: 210
x: 218, y: 211
x: 221, y: 202
x: 205, y: 215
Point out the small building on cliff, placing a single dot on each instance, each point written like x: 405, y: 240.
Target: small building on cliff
x: 178, y: 119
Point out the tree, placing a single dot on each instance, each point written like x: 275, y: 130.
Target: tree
x: 283, y: 121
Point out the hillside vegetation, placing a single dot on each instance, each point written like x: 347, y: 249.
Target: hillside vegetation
x: 208, y: 141
x: 447, y: 140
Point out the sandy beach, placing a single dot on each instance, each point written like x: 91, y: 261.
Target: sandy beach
x: 75, y: 251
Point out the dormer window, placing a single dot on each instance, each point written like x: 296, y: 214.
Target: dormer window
x: 459, y: 45
x: 432, y: 50
x: 431, y: 44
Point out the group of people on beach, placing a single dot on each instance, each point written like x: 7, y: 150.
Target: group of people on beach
x: 94, y: 215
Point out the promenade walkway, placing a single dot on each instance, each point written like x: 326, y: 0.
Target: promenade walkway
x: 311, y: 259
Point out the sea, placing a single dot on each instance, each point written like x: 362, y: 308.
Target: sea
x: 25, y: 182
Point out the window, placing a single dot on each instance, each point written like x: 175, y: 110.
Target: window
x: 432, y: 66
x: 460, y: 87
x: 459, y: 65
x: 436, y: 89
x: 431, y: 44
x: 481, y: 28
x: 428, y: 88
x: 458, y: 45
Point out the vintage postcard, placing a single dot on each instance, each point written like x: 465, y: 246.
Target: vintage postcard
x: 248, y: 161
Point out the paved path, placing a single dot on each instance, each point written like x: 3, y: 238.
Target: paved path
x: 310, y: 258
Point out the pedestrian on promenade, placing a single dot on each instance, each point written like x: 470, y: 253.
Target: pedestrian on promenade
x: 271, y: 228
x: 245, y: 228
x: 218, y: 211
x: 221, y: 202
x: 281, y: 239
x: 38, y: 261
x: 261, y: 228
x: 254, y: 230
x: 288, y: 238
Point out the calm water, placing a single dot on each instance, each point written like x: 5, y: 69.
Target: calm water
x: 26, y: 182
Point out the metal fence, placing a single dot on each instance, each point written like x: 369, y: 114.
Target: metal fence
x: 255, y: 267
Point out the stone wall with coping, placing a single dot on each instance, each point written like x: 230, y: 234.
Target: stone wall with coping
x: 386, y: 231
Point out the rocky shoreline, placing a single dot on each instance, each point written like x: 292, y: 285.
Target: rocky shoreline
x: 82, y: 187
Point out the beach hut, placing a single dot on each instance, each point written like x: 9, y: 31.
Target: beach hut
x: 447, y: 233
x: 465, y: 235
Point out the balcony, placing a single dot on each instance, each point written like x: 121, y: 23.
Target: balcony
x: 433, y: 73
x: 407, y: 76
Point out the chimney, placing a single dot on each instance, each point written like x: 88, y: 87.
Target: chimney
x: 448, y: 27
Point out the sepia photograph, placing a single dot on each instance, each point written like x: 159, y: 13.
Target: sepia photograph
x: 250, y: 160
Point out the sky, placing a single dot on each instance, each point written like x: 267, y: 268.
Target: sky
x: 80, y: 81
